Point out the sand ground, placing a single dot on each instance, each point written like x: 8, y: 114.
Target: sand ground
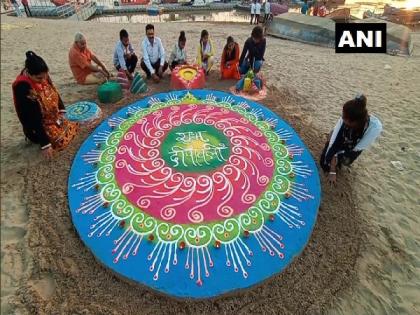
x: 364, y: 255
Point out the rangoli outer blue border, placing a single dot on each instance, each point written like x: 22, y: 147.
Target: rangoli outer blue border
x: 222, y: 279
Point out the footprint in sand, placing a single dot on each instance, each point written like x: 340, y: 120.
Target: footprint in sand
x: 45, y: 286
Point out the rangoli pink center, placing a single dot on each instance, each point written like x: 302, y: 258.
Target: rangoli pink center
x: 168, y: 194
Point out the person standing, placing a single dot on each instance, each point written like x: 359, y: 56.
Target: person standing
x: 322, y: 12
x: 315, y: 8
x: 267, y: 10
x: 304, y: 9
x: 257, y: 12
x: 17, y: 9
x: 252, y: 11
x: 26, y: 7
x: 125, y: 58
x: 153, y: 62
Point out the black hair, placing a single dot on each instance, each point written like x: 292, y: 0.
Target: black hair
x: 355, y: 110
x: 203, y: 34
x: 150, y: 27
x: 228, y: 41
x: 34, y: 64
x: 182, y: 37
x: 123, y: 34
x: 257, y: 32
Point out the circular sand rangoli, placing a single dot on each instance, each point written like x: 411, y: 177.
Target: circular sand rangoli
x: 194, y: 194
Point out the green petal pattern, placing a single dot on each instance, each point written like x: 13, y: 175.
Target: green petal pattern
x: 200, y: 234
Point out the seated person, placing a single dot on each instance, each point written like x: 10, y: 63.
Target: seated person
x: 354, y: 132
x: 153, y: 62
x: 125, y: 58
x: 229, y: 66
x: 252, y: 56
x: 39, y: 107
x: 205, y: 52
x: 178, y: 55
x: 80, y: 60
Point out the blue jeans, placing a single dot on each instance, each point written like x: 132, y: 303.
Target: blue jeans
x: 243, y: 69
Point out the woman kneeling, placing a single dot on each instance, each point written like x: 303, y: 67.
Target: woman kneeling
x: 353, y: 133
x: 205, y: 52
x: 39, y: 107
x: 229, y: 66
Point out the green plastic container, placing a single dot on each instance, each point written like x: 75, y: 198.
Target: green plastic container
x: 110, y: 92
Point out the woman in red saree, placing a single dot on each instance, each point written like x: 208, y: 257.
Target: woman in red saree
x: 229, y: 66
x: 39, y: 107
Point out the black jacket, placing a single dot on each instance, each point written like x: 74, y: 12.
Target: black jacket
x: 252, y: 51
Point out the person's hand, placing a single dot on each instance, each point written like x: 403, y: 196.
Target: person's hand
x: 155, y: 78
x: 105, y: 71
x: 332, y: 178
x: 48, y: 153
x: 32, y: 95
x: 160, y: 71
x: 129, y: 75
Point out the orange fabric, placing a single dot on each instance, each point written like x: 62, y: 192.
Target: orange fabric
x: 79, y: 63
x: 231, y: 71
x: 59, y: 130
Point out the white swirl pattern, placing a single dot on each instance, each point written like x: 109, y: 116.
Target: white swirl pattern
x: 148, y: 170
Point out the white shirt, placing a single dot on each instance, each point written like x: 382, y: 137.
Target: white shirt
x: 178, y: 54
x: 252, y: 8
x: 152, y: 53
x: 267, y: 7
x: 370, y: 135
x: 258, y: 8
x: 119, y: 52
